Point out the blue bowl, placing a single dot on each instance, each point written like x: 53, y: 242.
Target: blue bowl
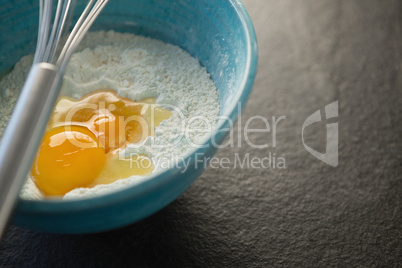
x: 217, y: 32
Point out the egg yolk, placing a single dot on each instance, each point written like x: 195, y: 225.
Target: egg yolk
x: 81, y: 147
x: 67, y: 160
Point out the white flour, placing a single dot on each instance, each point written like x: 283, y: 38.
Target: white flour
x: 137, y: 68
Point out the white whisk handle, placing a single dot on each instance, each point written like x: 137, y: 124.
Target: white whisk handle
x: 24, y: 133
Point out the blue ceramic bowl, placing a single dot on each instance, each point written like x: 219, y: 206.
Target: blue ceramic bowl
x: 217, y: 32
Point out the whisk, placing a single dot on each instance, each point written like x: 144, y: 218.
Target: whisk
x: 28, y: 122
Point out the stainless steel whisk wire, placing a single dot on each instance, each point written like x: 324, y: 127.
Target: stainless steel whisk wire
x: 46, y: 51
x: 28, y: 122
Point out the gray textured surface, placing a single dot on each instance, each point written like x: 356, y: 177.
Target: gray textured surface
x: 309, y: 214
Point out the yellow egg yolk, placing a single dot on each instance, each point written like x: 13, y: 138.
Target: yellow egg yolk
x: 84, y: 137
x: 63, y: 165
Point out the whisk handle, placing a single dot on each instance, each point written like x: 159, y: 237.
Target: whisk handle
x: 24, y: 132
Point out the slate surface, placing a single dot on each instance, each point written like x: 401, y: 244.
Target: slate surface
x: 310, y: 214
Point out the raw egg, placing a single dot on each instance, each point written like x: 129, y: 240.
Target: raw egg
x: 83, y: 140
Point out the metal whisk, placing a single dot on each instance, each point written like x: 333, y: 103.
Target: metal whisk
x: 28, y: 122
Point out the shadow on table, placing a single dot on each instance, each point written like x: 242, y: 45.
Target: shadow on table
x: 159, y: 240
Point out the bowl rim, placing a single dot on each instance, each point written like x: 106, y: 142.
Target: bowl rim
x: 144, y: 186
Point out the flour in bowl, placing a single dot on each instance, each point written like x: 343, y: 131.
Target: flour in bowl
x: 136, y: 68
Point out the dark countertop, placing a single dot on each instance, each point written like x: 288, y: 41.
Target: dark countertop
x: 311, y: 53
